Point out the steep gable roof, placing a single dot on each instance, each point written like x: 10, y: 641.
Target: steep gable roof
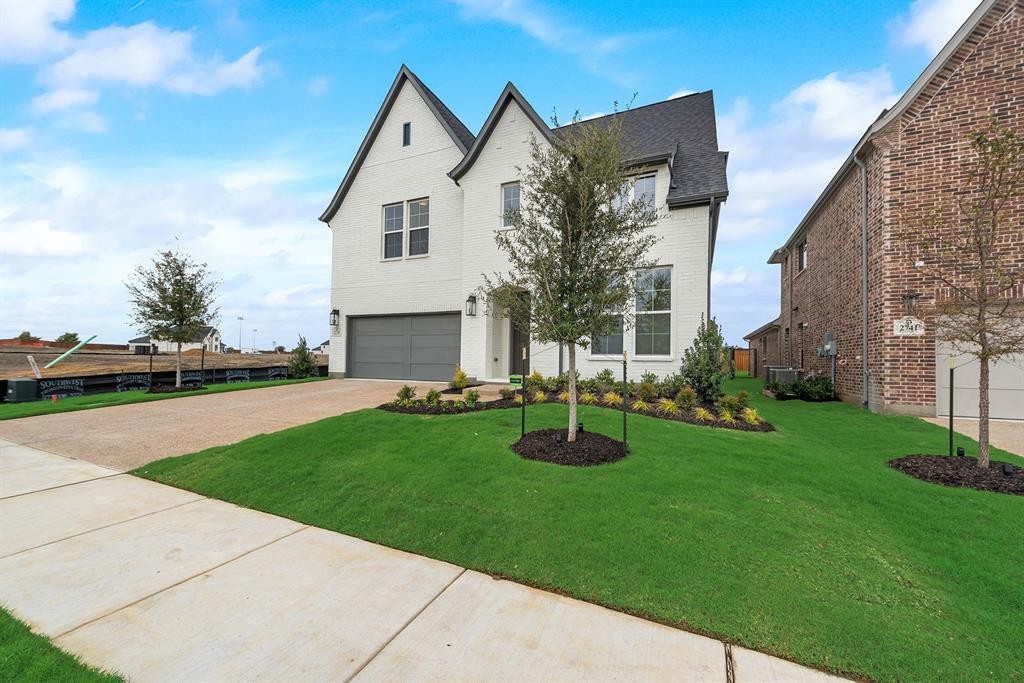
x: 509, y: 94
x: 963, y: 42
x: 452, y: 125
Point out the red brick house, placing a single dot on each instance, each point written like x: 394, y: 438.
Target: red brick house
x: 846, y: 272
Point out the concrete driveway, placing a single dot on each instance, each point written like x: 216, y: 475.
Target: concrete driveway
x: 1005, y: 434
x: 160, y: 584
x: 126, y: 437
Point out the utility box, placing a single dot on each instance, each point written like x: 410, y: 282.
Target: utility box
x: 21, y: 390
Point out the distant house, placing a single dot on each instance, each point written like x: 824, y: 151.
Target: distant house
x: 324, y: 348
x: 764, y: 347
x: 206, y: 337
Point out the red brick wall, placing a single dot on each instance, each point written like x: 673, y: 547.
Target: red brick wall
x: 764, y: 351
x: 912, y: 166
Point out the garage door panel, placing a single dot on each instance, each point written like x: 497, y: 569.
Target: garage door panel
x: 424, y: 347
x: 1006, y: 386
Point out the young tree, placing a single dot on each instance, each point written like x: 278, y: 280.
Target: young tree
x: 969, y: 254
x: 279, y: 348
x: 575, y: 246
x: 173, y: 299
x: 68, y: 338
x: 302, y: 362
x: 703, y: 362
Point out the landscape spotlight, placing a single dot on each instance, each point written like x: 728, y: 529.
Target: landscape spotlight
x: 959, y: 451
x: 1007, y: 469
x: 579, y: 428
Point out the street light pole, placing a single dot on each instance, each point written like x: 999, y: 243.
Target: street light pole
x: 240, y: 319
x: 254, y: 340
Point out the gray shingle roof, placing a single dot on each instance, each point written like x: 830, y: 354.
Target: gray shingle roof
x: 681, y: 129
x: 457, y: 126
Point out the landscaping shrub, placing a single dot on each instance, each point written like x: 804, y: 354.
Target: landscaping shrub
x: 556, y: 383
x: 641, y: 405
x: 506, y: 393
x: 750, y: 416
x: 433, y: 396
x: 647, y: 391
x: 702, y: 362
x: 519, y: 399
x: 535, y: 380
x: 588, y: 398
x: 703, y: 414
x: 302, y: 362
x: 726, y: 416
x: 743, y: 396
x: 671, y: 385
x: 539, y: 396
x: 817, y: 388
x: 563, y: 396
x: 606, y: 376
x: 686, y: 398
x: 406, y: 393
x: 667, y: 406
x: 730, y: 403
x: 590, y: 385
x: 471, y: 397
x: 460, y: 380
x: 649, y: 378
x: 612, y: 399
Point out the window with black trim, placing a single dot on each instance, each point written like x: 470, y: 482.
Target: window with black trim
x: 406, y: 134
x: 394, y: 230
x: 801, y: 255
x: 419, y: 227
x: 643, y: 190
x: 654, y: 312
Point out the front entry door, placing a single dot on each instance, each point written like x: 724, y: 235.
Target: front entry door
x: 520, y: 341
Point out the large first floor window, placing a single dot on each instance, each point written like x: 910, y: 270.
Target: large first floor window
x: 419, y: 227
x: 610, y: 343
x: 653, y: 336
x: 394, y: 230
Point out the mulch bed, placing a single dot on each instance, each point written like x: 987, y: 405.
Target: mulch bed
x: 762, y: 426
x: 587, y: 450
x: 449, y: 390
x: 447, y: 407
x: 961, y: 472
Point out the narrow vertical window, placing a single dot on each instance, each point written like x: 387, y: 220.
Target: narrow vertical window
x: 509, y: 203
x: 419, y: 227
x: 394, y: 230
x: 643, y: 190
x: 654, y: 312
x: 801, y: 262
x: 406, y: 134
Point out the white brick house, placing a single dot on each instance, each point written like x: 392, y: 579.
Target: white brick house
x: 414, y: 221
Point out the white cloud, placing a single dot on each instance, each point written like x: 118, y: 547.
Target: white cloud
x: 84, y: 121
x: 740, y: 275
x: 317, y: 86
x: 254, y: 175
x: 27, y: 31
x: 599, y: 54
x: 931, y: 23
x: 681, y: 93
x: 836, y: 108
x: 307, y: 296
x: 146, y: 55
x: 38, y: 238
x: 64, y: 98
x: 15, y: 138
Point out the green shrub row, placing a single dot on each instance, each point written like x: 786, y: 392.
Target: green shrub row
x: 816, y: 388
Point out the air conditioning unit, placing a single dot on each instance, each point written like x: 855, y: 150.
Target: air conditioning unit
x: 21, y: 390
x: 783, y: 375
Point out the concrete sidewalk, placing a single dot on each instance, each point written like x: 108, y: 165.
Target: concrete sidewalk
x: 161, y: 584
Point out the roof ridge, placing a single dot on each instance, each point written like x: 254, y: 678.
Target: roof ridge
x: 642, y: 106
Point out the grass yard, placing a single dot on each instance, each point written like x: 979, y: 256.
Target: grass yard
x: 27, y: 657
x: 802, y: 542
x: 10, y: 411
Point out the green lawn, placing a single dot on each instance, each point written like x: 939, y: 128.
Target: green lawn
x: 802, y: 542
x: 27, y: 657
x: 9, y: 411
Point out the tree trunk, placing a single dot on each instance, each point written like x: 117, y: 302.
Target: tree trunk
x: 572, y: 393
x: 983, y: 412
x: 177, y: 369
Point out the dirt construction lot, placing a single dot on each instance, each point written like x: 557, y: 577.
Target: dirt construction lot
x: 125, y: 437
x: 14, y: 362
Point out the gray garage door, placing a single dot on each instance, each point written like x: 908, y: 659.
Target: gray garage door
x: 1006, y: 386
x: 404, y: 346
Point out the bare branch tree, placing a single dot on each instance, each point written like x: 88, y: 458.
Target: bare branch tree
x: 575, y: 246
x: 969, y: 248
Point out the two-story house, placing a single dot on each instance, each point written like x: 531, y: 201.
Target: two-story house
x: 414, y: 222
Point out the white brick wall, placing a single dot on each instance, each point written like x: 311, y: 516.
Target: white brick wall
x: 464, y: 219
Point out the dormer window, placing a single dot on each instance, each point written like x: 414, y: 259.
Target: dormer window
x: 406, y: 134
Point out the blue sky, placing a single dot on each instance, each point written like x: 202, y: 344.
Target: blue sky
x: 224, y: 127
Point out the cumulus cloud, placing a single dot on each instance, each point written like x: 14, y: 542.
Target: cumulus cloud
x: 836, y: 107
x: 64, y: 98
x: 28, y: 31
x: 38, y: 238
x: 931, y: 23
x: 147, y: 55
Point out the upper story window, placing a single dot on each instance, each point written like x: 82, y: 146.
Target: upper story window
x: 801, y: 255
x: 643, y: 190
x: 406, y: 134
x: 654, y: 312
x: 419, y: 227
x: 394, y: 230
x: 509, y: 203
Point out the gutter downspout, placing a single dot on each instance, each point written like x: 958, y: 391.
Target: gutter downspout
x: 864, y: 274
x: 712, y: 228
